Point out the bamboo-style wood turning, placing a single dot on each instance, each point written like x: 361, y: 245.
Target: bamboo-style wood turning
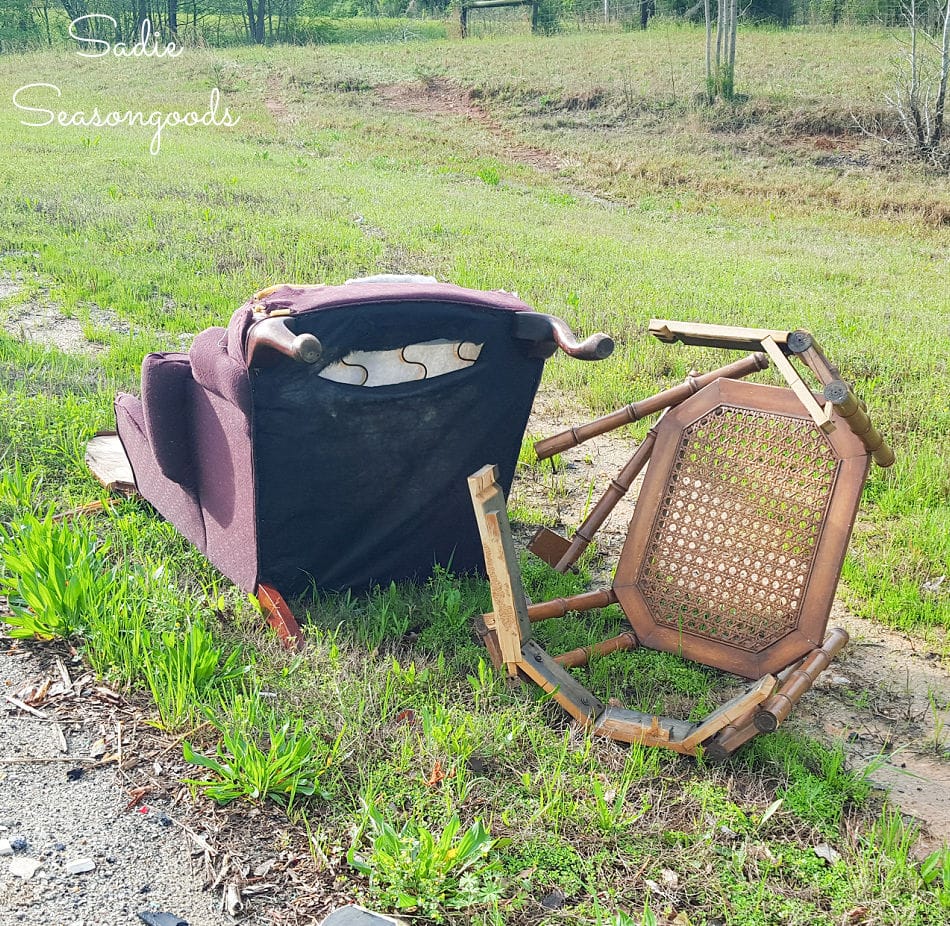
x: 777, y: 708
x: 558, y: 443
x: 804, y: 346
x: 558, y: 607
x: 733, y: 551
x: 583, y: 654
x: 617, y: 489
x: 846, y: 404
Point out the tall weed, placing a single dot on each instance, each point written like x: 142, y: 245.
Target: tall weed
x: 54, y: 575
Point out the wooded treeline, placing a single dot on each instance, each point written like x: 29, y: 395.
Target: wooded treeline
x: 31, y: 23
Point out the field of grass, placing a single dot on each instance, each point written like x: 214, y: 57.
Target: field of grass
x: 595, y: 185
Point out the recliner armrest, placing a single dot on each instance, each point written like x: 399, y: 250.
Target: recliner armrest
x: 165, y: 381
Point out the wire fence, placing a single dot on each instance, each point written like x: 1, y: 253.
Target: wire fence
x: 36, y: 23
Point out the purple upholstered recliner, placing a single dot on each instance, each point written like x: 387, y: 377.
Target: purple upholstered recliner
x: 323, y: 439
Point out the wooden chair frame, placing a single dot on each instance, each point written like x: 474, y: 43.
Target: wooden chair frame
x: 783, y: 665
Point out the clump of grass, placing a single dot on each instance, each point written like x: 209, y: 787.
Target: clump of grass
x: 817, y: 785
x: 610, y: 814
x: 551, y: 861
x: 452, y: 611
x: 55, y: 576
x: 882, y: 869
x: 182, y: 669
x: 119, y: 636
x: 18, y: 490
x: 263, y: 755
x: 417, y: 870
x: 488, y: 176
x: 935, y: 875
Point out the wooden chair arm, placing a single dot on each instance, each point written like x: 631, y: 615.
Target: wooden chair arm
x: 270, y: 339
x: 551, y: 333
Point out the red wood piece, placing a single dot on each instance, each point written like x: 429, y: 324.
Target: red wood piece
x: 280, y: 617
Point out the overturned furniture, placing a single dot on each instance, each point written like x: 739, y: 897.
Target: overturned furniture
x: 734, y: 548
x: 322, y: 439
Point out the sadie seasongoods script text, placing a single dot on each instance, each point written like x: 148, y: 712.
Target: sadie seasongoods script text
x: 29, y: 97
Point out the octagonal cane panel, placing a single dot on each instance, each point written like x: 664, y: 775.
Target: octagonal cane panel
x: 732, y: 530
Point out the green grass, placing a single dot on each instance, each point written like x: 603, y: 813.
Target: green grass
x: 658, y: 208
x: 261, y: 754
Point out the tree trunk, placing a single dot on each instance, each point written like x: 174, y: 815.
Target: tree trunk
x: 937, y: 131
x: 734, y: 12
x: 255, y: 29
x: 720, y: 25
x: 172, y: 8
x: 75, y: 8
x: 259, y: 37
x: 646, y: 10
x: 709, y: 86
x: 49, y: 34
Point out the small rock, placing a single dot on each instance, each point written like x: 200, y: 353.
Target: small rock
x: 262, y: 870
x: 18, y: 844
x: 827, y: 853
x: 79, y: 865
x: 553, y: 901
x: 157, y: 918
x: 25, y: 868
x: 761, y: 853
x: 933, y: 585
x: 670, y: 879
x: 74, y: 774
x: 353, y: 915
x: 232, y: 900
x: 5, y: 847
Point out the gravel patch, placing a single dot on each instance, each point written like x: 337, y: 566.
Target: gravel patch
x: 61, y: 821
x: 41, y: 322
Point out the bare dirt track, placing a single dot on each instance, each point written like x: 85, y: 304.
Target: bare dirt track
x: 39, y: 321
x: 442, y: 98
